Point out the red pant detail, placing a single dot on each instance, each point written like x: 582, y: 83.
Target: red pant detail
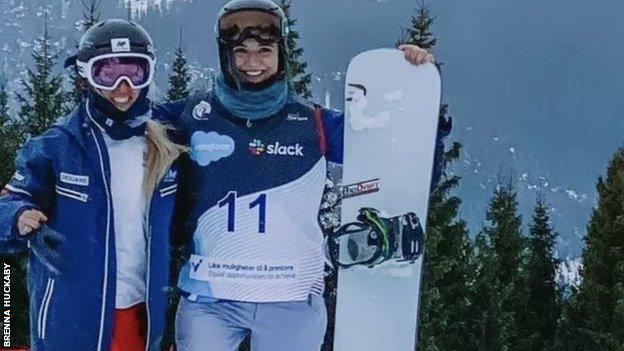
x: 130, y: 329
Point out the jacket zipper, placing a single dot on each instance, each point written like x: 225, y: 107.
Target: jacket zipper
x: 108, y: 216
x: 147, y: 275
x: 148, y: 212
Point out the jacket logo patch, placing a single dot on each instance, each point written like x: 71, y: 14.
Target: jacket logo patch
x: 120, y: 44
x: 172, y: 189
x: 17, y: 176
x: 196, y: 264
x: 74, y: 179
x: 257, y: 148
x: 71, y: 193
x: 361, y: 188
x: 296, y: 117
x: 202, y: 110
x: 210, y: 147
x: 170, y: 176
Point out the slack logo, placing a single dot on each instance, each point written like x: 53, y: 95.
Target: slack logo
x: 257, y: 148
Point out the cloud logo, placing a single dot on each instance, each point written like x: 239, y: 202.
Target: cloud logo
x: 210, y: 147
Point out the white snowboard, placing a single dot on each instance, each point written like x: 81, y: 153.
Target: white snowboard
x: 390, y: 131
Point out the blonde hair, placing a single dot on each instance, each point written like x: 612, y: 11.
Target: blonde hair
x: 161, y: 152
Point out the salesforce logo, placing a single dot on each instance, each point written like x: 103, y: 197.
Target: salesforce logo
x: 257, y: 147
x: 210, y: 147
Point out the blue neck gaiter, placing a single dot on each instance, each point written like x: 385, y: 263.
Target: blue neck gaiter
x: 119, y: 125
x: 252, y: 104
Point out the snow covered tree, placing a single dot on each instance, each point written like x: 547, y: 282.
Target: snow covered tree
x: 42, y: 98
x: 10, y: 137
x: 297, y: 67
x: 179, y: 77
x: 90, y: 16
x: 543, y: 302
x: 594, y: 320
x: 499, y: 287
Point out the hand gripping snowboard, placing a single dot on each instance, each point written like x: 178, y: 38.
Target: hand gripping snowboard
x: 391, y: 113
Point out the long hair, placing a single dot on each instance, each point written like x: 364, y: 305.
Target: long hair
x: 161, y: 152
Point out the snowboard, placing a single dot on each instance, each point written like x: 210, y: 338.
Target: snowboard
x: 391, y: 117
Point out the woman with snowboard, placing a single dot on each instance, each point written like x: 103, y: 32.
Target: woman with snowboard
x: 250, y: 193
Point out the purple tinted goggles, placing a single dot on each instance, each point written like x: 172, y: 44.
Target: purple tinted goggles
x: 108, y: 71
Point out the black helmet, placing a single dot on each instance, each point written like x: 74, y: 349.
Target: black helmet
x: 112, y: 36
x: 229, y: 33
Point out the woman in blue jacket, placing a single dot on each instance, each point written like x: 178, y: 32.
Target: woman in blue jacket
x: 91, y: 199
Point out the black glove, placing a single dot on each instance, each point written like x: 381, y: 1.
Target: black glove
x: 45, y: 245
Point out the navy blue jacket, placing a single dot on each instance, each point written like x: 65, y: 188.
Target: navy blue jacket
x: 65, y: 173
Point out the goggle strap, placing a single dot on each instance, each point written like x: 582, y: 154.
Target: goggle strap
x: 82, y: 68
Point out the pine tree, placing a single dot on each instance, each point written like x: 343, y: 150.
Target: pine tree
x: 419, y: 33
x: 90, y: 16
x: 180, y: 77
x: 298, y: 74
x: 594, y: 320
x: 504, y: 232
x: 10, y: 140
x: 43, y: 97
x: 487, y: 298
x: 499, y: 287
x: 539, y: 323
x: 178, y: 89
x: 4, y: 103
x: 10, y: 137
x: 446, y: 319
x: 41, y: 103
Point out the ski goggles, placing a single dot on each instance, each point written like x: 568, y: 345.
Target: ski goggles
x: 106, y: 72
x: 260, y: 25
x: 264, y: 35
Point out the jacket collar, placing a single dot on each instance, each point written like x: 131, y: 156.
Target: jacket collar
x: 79, y: 125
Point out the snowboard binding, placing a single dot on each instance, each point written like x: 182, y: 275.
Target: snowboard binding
x: 374, y: 239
